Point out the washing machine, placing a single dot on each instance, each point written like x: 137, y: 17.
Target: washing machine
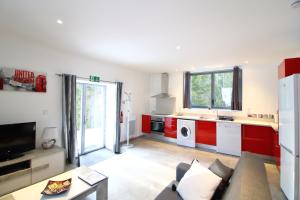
x: 186, y: 133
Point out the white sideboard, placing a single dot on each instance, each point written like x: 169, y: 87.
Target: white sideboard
x: 34, y: 166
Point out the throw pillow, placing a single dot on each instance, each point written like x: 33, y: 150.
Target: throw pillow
x: 198, y: 183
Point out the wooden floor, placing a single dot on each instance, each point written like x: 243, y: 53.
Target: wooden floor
x: 144, y: 170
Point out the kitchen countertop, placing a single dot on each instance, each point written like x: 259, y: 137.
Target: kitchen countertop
x: 239, y: 121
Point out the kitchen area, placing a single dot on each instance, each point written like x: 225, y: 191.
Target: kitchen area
x: 218, y: 130
x: 214, y: 134
x: 273, y: 136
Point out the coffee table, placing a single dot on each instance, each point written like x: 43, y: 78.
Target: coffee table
x: 78, y: 190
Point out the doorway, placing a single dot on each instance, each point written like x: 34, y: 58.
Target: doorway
x: 95, y: 115
x: 90, y: 111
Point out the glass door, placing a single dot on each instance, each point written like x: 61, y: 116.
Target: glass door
x: 90, y: 108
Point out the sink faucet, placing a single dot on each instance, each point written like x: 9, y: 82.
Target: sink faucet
x: 215, y: 111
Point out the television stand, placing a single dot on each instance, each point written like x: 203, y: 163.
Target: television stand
x: 9, y: 169
x: 30, y: 167
x: 10, y: 157
x: 15, y: 156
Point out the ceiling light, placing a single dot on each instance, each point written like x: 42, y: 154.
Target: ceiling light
x: 59, y: 21
x: 246, y: 61
x: 178, y: 47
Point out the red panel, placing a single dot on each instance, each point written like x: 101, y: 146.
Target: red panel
x: 170, y: 128
x: 146, y: 123
x: 276, y: 148
x: 289, y: 67
x: 206, y: 132
x: 257, y: 139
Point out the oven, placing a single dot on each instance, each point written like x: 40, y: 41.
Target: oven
x: 157, y: 124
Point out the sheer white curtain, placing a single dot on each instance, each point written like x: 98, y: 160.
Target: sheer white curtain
x: 110, y: 122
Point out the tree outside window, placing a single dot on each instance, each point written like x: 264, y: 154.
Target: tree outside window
x: 211, y: 89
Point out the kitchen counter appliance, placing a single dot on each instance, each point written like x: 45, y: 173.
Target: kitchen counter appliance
x: 186, y: 133
x: 157, y: 124
x: 289, y: 91
x: 229, y: 138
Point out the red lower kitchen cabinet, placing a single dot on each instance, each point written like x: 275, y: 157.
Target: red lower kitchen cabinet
x: 170, y: 128
x: 257, y: 139
x: 146, y: 123
x: 206, y: 132
x: 276, y: 148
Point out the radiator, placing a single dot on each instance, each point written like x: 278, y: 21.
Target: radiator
x: 132, y: 127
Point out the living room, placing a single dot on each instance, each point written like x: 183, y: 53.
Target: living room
x: 139, y: 94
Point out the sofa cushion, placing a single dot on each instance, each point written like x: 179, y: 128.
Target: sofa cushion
x: 198, y: 183
x: 218, y: 168
x: 181, y: 169
x: 249, y: 180
x: 168, y: 193
x: 221, y: 189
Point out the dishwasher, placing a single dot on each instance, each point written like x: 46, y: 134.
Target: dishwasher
x: 229, y: 138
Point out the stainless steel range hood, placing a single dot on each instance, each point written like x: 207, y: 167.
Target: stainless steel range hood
x: 164, y: 89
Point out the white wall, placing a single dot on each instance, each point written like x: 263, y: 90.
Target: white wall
x: 260, y: 85
x: 45, y: 109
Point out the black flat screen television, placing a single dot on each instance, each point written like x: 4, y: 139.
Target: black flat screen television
x: 15, y: 139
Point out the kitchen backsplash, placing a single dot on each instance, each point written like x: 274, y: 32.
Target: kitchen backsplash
x: 235, y: 114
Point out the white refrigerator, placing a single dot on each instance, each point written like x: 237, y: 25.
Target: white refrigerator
x: 289, y: 105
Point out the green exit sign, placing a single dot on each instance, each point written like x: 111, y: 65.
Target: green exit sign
x: 94, y: 78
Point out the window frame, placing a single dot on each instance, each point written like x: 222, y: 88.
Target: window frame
x: 212, y: 100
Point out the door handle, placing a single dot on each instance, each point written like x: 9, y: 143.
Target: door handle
x: 84, y: 120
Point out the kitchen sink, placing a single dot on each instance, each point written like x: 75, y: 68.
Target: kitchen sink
x: 212, y: 118
x: 225, y: 118
x: 207, y: 118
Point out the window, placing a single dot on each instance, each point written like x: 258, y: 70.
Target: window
x: 211, y: 89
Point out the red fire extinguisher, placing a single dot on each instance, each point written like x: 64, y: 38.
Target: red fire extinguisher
x: 121, y: 117
x: 1, y: 83
x: 1, y: 80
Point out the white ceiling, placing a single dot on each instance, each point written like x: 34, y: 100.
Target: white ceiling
x: 144, y: 34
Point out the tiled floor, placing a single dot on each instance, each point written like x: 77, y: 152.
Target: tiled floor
x: 273, y: 178
x: 144, y: 170
x: 95, y: 157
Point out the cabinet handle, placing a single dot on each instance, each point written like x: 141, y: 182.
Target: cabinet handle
x: 41, y: 167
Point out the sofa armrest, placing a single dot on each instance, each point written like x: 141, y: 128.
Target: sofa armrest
x: 181, y: 169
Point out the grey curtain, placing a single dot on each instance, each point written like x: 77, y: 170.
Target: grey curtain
x: 69, y: 117
x: 236, y: 103
x: 186, y: 90
x: 118, y: 115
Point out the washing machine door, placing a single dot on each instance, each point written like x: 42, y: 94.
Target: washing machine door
x: 185, y: 132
